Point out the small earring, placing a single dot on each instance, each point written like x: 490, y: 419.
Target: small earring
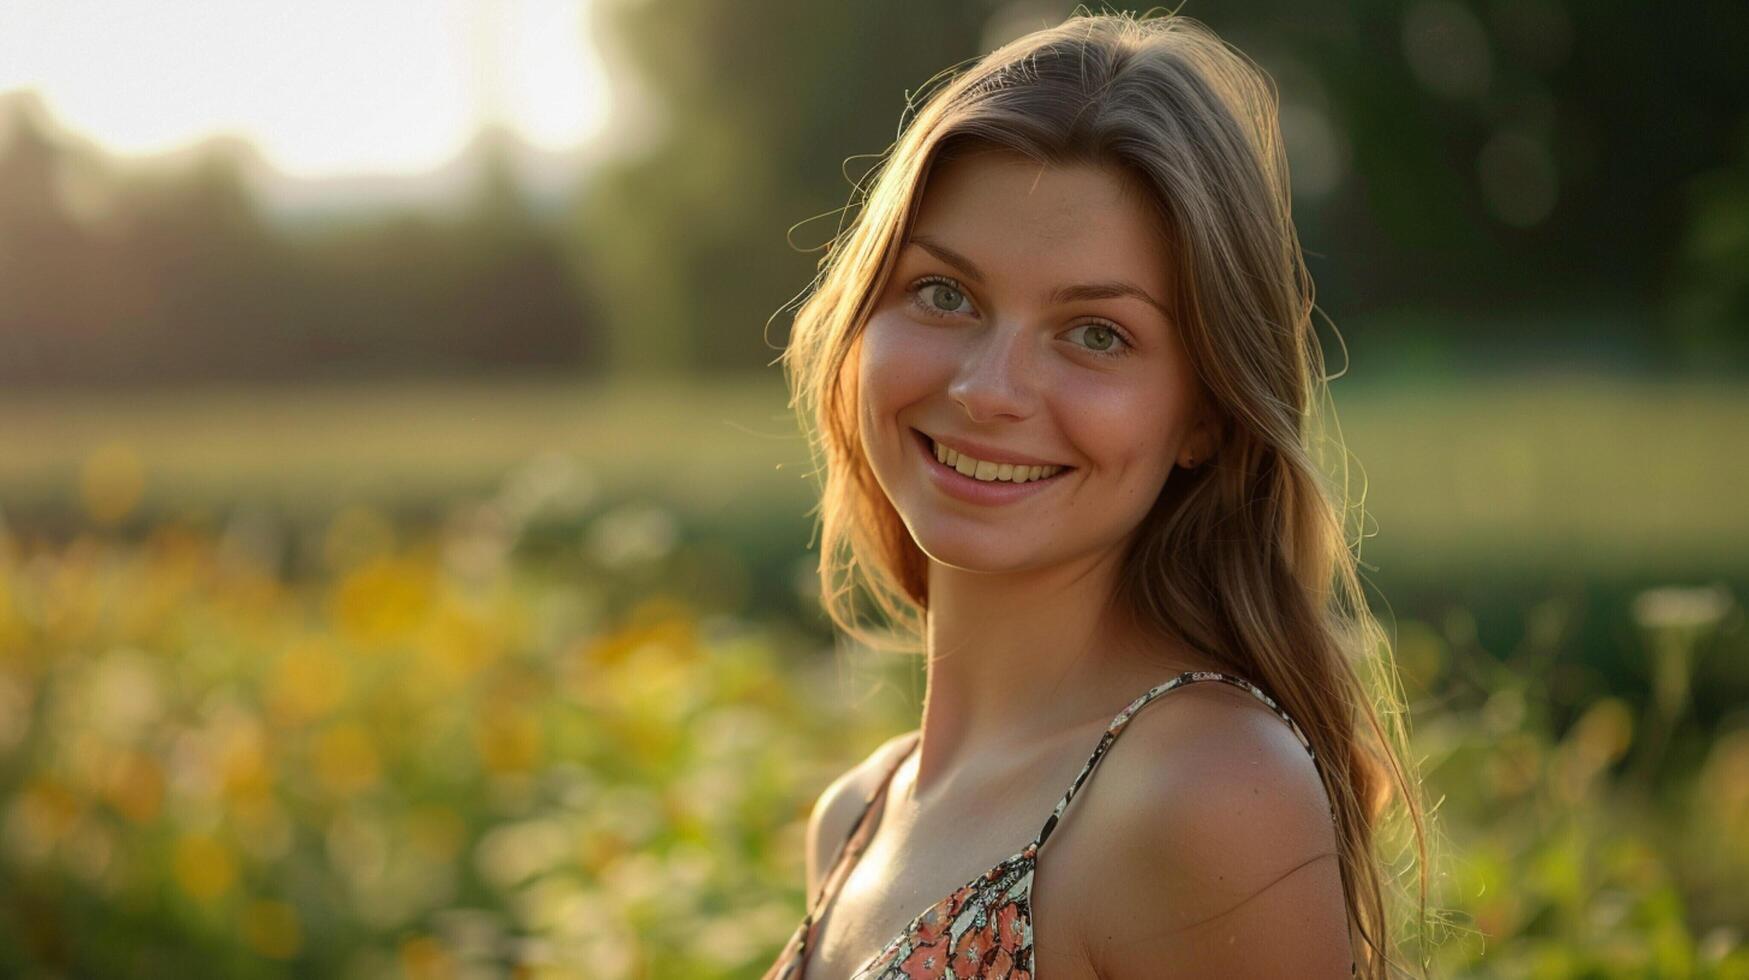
x: 1189, y: 461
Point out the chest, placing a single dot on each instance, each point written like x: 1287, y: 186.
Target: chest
x: 909, y: 870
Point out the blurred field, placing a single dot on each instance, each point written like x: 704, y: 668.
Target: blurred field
x: 307, y: 449
x: 367, y: 678
x: 480, y: 681
x: 1625, y: 475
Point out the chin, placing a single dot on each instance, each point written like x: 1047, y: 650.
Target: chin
x: 970, y: 549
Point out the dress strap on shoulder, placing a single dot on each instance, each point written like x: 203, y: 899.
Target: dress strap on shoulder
x: 795, y: 953
x: 857, y: 839
x: 1122, y: 721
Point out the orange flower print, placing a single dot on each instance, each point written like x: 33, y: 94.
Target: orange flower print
x: 1000, y: 966
x: 933, y: 923
x: 1011, y: 927
x: 974, y: 946
x: 928, y: 961
x: 958, y: 900
x: 885, y: 959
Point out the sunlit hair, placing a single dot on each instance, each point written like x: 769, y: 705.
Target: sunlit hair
x: 1246, y: 558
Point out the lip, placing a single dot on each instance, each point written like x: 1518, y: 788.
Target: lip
x: 985, y: 453
x: 958, y: 485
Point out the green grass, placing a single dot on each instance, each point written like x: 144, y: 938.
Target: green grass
x: 431, y: 750
x: 406, y: 765
x: 1621, y: 474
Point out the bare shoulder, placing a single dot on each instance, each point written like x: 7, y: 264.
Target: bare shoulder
x: 839, y: 804
x: 1221, y: 849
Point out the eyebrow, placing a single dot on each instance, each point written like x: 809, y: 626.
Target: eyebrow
x: 1108, y: 289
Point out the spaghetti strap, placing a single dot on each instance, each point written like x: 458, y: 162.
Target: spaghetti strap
x: 852, y: 847
x: 851, y: 840
x: 1123, y: 719
x: 999, y: 898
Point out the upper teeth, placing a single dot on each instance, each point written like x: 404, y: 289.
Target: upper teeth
x: 979, y: 469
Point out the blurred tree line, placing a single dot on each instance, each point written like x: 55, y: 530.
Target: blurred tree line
x: 1491, y: 182
x: 109, y: 276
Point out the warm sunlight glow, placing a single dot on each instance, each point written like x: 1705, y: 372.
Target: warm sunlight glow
x: 322, y: 87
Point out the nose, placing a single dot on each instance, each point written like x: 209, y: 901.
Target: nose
x: 997, y: 372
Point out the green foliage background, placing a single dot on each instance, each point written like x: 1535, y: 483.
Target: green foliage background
x: 430, y: 594
x: 553, y: 703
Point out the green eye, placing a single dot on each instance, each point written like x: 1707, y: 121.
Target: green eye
x: 942, y: 285
x: 1110, y: 332
x: 1112, y: 336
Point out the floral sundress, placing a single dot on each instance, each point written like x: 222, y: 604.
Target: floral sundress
x: 983, y: 929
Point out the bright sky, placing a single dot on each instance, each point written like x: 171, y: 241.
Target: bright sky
x: 323, y: 87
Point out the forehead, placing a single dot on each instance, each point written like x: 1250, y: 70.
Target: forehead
x: 1062, y: 222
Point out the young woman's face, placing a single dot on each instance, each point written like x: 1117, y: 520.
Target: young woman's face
x: 983, y: 340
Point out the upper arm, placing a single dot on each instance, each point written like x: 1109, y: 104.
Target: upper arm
x: 1222, y: 857
x: 836, y: 810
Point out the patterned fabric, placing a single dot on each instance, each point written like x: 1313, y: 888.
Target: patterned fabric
x: 983, y: 929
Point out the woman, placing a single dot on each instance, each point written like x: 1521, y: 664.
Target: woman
x: 1061, y: 373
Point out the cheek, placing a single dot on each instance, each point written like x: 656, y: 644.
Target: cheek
x: 877, y: 375
x: 1125, y: 431
x: 896, y: 365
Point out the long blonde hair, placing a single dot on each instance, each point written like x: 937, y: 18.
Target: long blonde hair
x: 1246, y: 558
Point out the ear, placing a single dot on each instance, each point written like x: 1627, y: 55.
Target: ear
x: 1204, y: 439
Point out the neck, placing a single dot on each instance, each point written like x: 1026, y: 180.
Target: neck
x: 1018, y: 661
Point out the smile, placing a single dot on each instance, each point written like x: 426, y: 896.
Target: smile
x: 981, y: 481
